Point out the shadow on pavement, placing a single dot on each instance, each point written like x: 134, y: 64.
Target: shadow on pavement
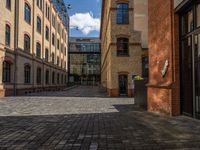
x: 127, y: 129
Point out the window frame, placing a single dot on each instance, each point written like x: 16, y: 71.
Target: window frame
x: 39, y: 76
x: 8, y: 4
x: 27, y: 43
x: 7, y: 35
x: 39, y: 25
x: 47, y: 33
x: 47, y: 74
x: 27, y: 74
x: 6, y: 73
x: 38, y: 51
x: 122, y: 42
x: 27, y: 13
x: 122, y: 13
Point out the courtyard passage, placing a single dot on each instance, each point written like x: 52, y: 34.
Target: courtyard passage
x: 83, y: 118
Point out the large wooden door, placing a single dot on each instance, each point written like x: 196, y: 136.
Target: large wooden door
x: 187, y: 76
x: 123, y: 85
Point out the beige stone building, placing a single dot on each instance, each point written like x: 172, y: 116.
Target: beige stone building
x: 33, y: 46
x: 121, y: 45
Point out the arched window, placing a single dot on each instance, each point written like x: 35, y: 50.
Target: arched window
x: 47, y: 33
x: 39, y: 3
x: 62, y: 79
x: 53, y: 39
x: 27, y: 74
x: 39, y: 76
x: 53, y: 58
x: 27, y: 44
x: 53, y: 77
x: 27, y: 13
x: 6, y: 72
x: 47, y: 76
x: 38, y: 50
x: 38, y: 24
x: 122, y: 13
x: 7, y: 35
x: 46, y: 55
x: 58, y: 61
x: 58, y: 78
x: 122, y: 46
x: 8, y: 4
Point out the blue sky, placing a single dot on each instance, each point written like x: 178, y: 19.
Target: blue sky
x: 85, y: 16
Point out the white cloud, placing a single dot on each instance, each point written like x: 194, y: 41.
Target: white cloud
x: 85, y: 22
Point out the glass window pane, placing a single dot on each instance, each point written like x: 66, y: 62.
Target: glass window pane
x: 198, y: 15
x: 188, y: 23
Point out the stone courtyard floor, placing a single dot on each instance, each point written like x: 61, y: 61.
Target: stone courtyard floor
x: 83, y: 118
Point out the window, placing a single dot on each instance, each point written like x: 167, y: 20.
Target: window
x: 58, y: 78
x: 39, y: 3
x: 62, y: 79
x: 53, y: 77
x: 27, y: 74
x: 38, y: 50
x: 53, y: 39
x: 38, y: 24
x: 47, y: 11
x: 122, y: 13
x: 46, y: 55
x: 6, y: 72
x: 62, y: 48
x: 188, y: 22
x: 58, y: 28
x: 198, y: 15
x: 58, y: 44
x: 47, y: 33
x: 53, y: 58
x: 7, y: 35
x: 53, y: 21
x: 39, y: 76
x: 27, y: 45
x: 27, y: 13
x: 8, y: 4
x: 122, y: 46
x: 58, y: 61
x: 47, y: 76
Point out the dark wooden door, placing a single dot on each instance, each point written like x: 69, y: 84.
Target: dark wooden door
x: 187, y: 76
x: 123, y: 85
x: 197, y: 74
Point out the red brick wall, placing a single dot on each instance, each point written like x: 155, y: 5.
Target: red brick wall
x: 163, y: 92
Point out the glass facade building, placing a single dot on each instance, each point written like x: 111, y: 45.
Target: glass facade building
x: 84, y: 61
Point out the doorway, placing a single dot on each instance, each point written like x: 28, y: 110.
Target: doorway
x: 190, y: 59
x: 123, y: 85
x: 197, y: 74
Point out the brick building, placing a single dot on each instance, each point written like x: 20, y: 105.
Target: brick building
x: 174, y: 57
x: 121, y: 45
x: 33, y: 46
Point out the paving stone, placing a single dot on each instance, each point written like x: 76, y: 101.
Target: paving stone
x: 84, y: 118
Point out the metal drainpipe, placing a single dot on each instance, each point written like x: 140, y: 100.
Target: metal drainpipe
x: 15, y: 44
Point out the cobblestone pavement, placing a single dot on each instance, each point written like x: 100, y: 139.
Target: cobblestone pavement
x: 90, y: 123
